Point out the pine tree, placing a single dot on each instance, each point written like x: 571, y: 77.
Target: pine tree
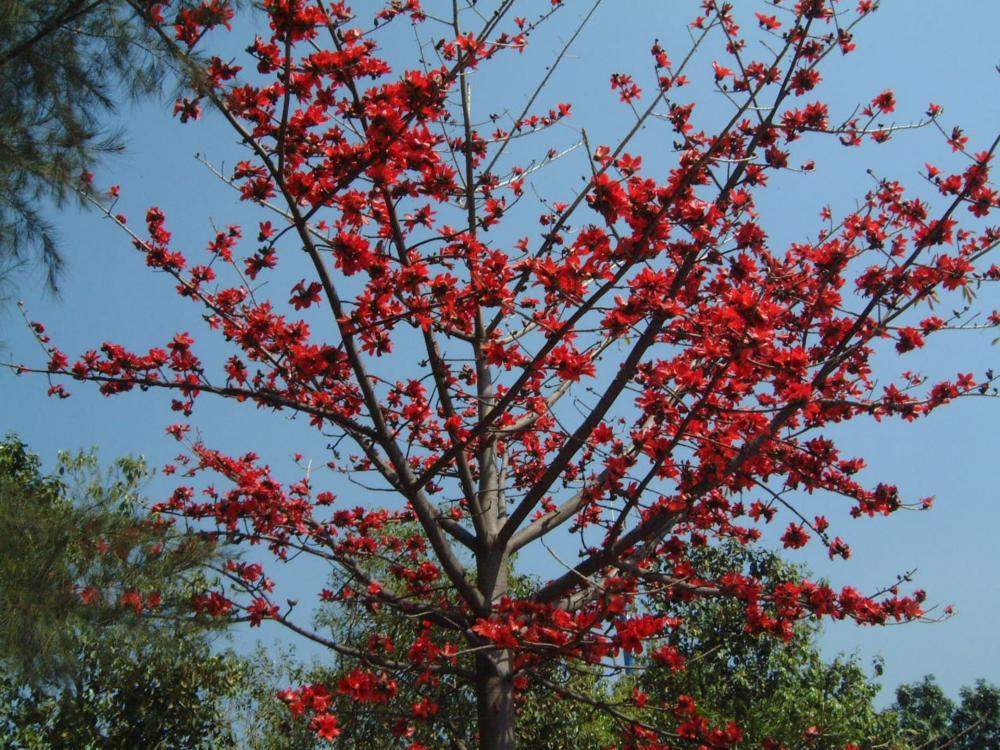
x: 65, y: 66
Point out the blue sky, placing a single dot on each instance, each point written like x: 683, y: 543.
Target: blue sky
x: 925, y: 50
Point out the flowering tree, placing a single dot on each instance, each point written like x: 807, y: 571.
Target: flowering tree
x: 626, y: 370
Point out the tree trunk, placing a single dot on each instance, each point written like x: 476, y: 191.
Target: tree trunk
x: 495, y: 701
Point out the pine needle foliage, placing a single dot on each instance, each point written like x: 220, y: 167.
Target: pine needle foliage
x: 65, y: 66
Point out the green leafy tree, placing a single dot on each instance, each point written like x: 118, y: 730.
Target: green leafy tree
x: 97, y: 645
x: 66, y: 66
x: 263, y: 721
x: 80, y: 553
x: 976, y: 722
x: 127, y: 691
x: 775, y: 688
x: 930, y: 720
x: 924, y: 712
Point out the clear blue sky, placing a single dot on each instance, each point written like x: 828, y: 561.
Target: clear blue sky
x: 924, y: 49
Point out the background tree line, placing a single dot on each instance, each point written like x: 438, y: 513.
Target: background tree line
x: 88, y: 661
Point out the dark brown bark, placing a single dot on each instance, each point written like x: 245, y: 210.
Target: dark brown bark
x: 495, y: 701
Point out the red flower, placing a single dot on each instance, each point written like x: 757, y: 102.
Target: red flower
x: 771, y: 23
x: 325, y: 726
x: 305, y: 296
x: 721, y: 72
x: 884, y: 102
x: 795, y: 536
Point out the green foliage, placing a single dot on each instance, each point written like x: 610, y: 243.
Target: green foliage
x: 79, y: 555
x: 771, y: 688
x: 924, y: 712
x: 263, y: 721
x: 97, y: 648
x: 976, y: 722
x: 550, y: 721
x: 929, y: 720
x: 127, y: 691
x: 64, y: 64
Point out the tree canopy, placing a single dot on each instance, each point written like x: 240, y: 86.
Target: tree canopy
x: 776, y: 689
x: 932, y: 721
x: 82, y: 662
x: 64, y: 67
